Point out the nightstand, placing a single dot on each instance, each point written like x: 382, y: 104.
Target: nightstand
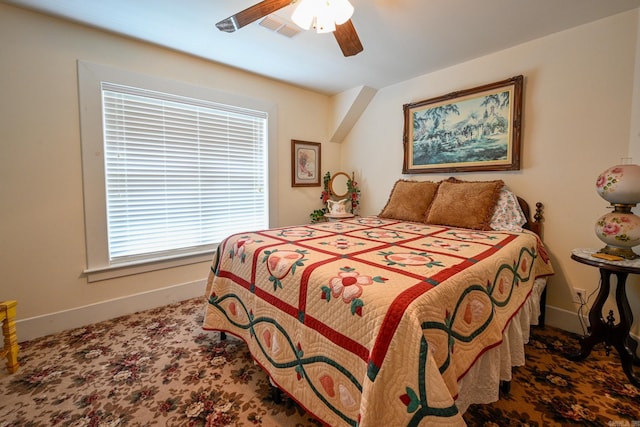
x: 607, y: 331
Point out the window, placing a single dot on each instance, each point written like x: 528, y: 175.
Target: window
x: 178, y: 173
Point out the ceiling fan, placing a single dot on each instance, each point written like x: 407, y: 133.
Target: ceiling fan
x: 345, y: 33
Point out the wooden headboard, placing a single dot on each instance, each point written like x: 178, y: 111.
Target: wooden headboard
x: 533, y: 223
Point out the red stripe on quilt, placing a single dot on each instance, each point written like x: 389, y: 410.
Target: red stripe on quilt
x: 336, y: 337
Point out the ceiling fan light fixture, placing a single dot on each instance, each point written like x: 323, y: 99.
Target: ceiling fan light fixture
x: 324, y: 22
x: 342, y: 10
x: 303, y: 14
x: 323, y: 15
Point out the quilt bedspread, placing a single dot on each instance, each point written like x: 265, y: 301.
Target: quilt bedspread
x: 370, y: 321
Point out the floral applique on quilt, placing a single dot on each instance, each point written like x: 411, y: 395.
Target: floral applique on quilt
x: 239, y: 247
x: 296, y: 233
x: 404, y: 259
x: 348, y: 284
x: 471, y: 235
x: 281, y: 263
x: 341, y: 243
x: 449, y: 246
x: 383, y: 234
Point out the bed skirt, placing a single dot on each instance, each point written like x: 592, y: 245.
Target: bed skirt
x: 481, y: 384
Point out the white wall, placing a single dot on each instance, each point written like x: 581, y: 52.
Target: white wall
x: 634, y: 133
x: 41, y: 200
x: 577, y: 121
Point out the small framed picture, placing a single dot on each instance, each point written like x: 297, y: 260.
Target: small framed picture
x: 305, y: 163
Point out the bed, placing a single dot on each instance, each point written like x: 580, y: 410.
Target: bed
x: 404, y: 318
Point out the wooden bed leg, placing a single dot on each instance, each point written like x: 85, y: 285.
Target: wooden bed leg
x: 505, y: 387
x: 276, y: 395
x: 543, y: 307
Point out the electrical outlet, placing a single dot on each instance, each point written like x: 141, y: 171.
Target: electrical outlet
x: 579, y: 296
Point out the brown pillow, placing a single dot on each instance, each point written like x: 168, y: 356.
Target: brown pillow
x: 409, y: 200
x: 465, y: 204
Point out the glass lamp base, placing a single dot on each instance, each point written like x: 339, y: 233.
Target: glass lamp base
x: 620, y: 231
x: 626, y: 253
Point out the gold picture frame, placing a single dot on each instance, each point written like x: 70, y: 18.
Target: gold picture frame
x: 477, y: 129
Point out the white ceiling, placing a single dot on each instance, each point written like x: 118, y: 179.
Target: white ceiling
x: 401, y: 38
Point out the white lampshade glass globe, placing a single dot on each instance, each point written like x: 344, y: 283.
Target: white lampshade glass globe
x: 620, y: 184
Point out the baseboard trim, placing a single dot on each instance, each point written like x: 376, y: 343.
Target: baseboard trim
x: 569, y: 321
x: 47, y: 324
x: 39, y: 326
x: 565, y: 320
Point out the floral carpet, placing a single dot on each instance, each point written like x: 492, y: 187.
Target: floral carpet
x: 159, y: 368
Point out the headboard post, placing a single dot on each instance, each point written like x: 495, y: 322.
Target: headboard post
x: 534, y: 223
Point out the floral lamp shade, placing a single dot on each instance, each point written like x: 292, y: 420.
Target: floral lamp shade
x: 620, y: 229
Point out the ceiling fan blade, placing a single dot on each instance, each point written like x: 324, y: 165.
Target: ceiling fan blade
x: 348, y: 39
x: 251, y: 14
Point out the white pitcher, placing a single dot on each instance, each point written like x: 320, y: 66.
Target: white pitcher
x: 337, y: 207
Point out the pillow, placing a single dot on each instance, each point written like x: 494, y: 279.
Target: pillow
x: 465, y: 204
x: 508, y: 215
x: 409, y: 200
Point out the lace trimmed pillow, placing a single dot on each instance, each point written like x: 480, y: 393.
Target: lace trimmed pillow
x: 508, y: 215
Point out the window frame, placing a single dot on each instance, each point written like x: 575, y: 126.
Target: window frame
x: 90, y: 78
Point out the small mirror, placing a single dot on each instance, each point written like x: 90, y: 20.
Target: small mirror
x: 338, y: 184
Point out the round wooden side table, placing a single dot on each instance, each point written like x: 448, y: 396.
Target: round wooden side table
x: 607, y: 331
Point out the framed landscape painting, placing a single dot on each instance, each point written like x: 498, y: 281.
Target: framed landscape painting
x: 470, y: 130
x: 305, y: 163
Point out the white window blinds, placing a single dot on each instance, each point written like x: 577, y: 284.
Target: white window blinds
x: 181, y: 174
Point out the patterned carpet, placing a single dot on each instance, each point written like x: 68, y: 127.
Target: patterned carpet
x: 158, y: 368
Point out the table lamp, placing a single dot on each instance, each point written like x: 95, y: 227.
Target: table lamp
x: 620, y: 229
